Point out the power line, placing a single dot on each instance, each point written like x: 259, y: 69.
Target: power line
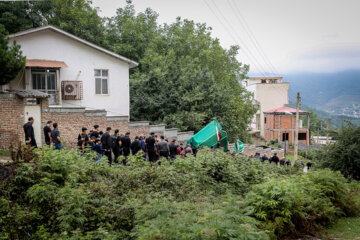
x: 231, y: 35
x: 252, y: 36
x: 240, y: 39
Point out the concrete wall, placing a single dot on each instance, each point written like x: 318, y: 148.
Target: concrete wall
x: 271, y: 96
x: 82, y: 60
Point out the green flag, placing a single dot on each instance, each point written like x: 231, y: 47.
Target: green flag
x: 239, y: 146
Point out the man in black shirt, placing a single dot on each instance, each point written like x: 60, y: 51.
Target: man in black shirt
x: 173, y: 149
x: 150, y: 147
x: 95, y: 133
x: 135, y: 146
x: 116, y: 145
x: 106, y: 141
x: 29, y: 133
x: 47, y: 133
x: 125, y: 144
x: 55, y: 137
x: 275, y: 159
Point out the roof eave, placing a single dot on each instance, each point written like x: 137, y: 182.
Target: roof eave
x: 131, y: 63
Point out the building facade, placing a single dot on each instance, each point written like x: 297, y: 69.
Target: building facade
x: 269, y: 93
x: 280, y: 123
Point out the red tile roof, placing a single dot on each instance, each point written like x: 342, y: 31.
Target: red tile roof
x: 45, y: 63
x: 285, y: 109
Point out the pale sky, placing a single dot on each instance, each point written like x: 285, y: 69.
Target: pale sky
x: 295, y: 35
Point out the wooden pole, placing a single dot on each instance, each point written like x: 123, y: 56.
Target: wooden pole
x: 296, y: 145
x: 328, y: 129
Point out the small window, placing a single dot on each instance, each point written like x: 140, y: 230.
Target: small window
x: 265, y: 120
x: 302, y: 136
x: 272, y: 81
x: 263, y: 81
x: 101, y: 81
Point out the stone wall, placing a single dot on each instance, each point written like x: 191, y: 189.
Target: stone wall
x: 11, y: 120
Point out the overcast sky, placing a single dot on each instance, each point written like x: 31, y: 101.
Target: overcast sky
x: 295, y: 35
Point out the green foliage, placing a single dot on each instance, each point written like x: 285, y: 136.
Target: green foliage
x: 296, y: 204
x: 65, y: 195
x: 274, y: 143
x: 343, y: 155
x: 74, y: 16
x: 11, y: 60
x: 185, y: 77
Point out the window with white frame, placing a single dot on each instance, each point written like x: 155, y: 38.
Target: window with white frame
x: 101, y: 81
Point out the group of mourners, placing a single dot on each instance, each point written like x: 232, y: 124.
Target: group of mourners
x: 52, y: 136
x: 282, y: 162
x: 112, y: 145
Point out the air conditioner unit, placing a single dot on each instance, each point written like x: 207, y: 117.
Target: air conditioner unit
x: 71, y: 90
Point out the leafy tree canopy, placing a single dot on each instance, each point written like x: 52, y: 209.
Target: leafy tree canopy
x: 11, y: 60
x: 185, y: 77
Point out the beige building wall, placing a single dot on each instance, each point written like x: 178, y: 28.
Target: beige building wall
x: 271, y: 93
x: 271, y: 96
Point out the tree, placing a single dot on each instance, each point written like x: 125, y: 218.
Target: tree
x: 343, y: 155
x: 74, y: 16
x: 11, y: 59
x: 21, y: 15
x: 185, y: 77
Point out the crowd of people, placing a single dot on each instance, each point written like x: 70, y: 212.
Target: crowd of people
x: 111, y: 144
x: 282, y: 162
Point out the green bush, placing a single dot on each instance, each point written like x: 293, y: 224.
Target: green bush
x: 65, y: 195
x: 304, y: 203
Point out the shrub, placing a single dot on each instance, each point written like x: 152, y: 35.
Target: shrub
x: 65, y: 195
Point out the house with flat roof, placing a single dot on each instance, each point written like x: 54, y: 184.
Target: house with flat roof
x: 269, y: 93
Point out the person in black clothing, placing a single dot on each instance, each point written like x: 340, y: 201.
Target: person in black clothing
x: 275, y: 159
x: 150, y: 147
x: 173, y: 149
x: 81, y: 143
x: 116, y: 145
x: 264, y: 158
x: 85, y: 135
x: 125, y: 144
x: 135, y: 146
x: 106, y: 141
x: 95, y: 133
x: 47, y: 132
x: 29, y: 133
x: 55, y: 137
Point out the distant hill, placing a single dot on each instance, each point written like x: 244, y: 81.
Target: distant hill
x: 335, y: 93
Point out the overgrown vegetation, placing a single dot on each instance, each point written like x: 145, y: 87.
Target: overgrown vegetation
x: 343, y: 155
x: 64, y: 195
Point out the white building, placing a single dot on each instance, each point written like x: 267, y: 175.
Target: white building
x: 76, y: 73
x: 270, y: 93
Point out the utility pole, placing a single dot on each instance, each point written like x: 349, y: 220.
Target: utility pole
x: 328, y: 129
x: 296, y: 145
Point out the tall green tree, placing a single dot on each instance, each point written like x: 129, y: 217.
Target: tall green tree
x: 185, y: 77
x: 11, y: 59
x: 74, y: 16
x: 343, y: 155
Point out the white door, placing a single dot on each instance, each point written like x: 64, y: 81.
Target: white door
x: 35, y: 112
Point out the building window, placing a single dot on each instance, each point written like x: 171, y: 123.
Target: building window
x: 302, y: 136
x: 263, y: 81
x: 45, y: 80
x: 101, y: 81
x: 265, y: 120
x: 285, y: 137
x: 272, y: 81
